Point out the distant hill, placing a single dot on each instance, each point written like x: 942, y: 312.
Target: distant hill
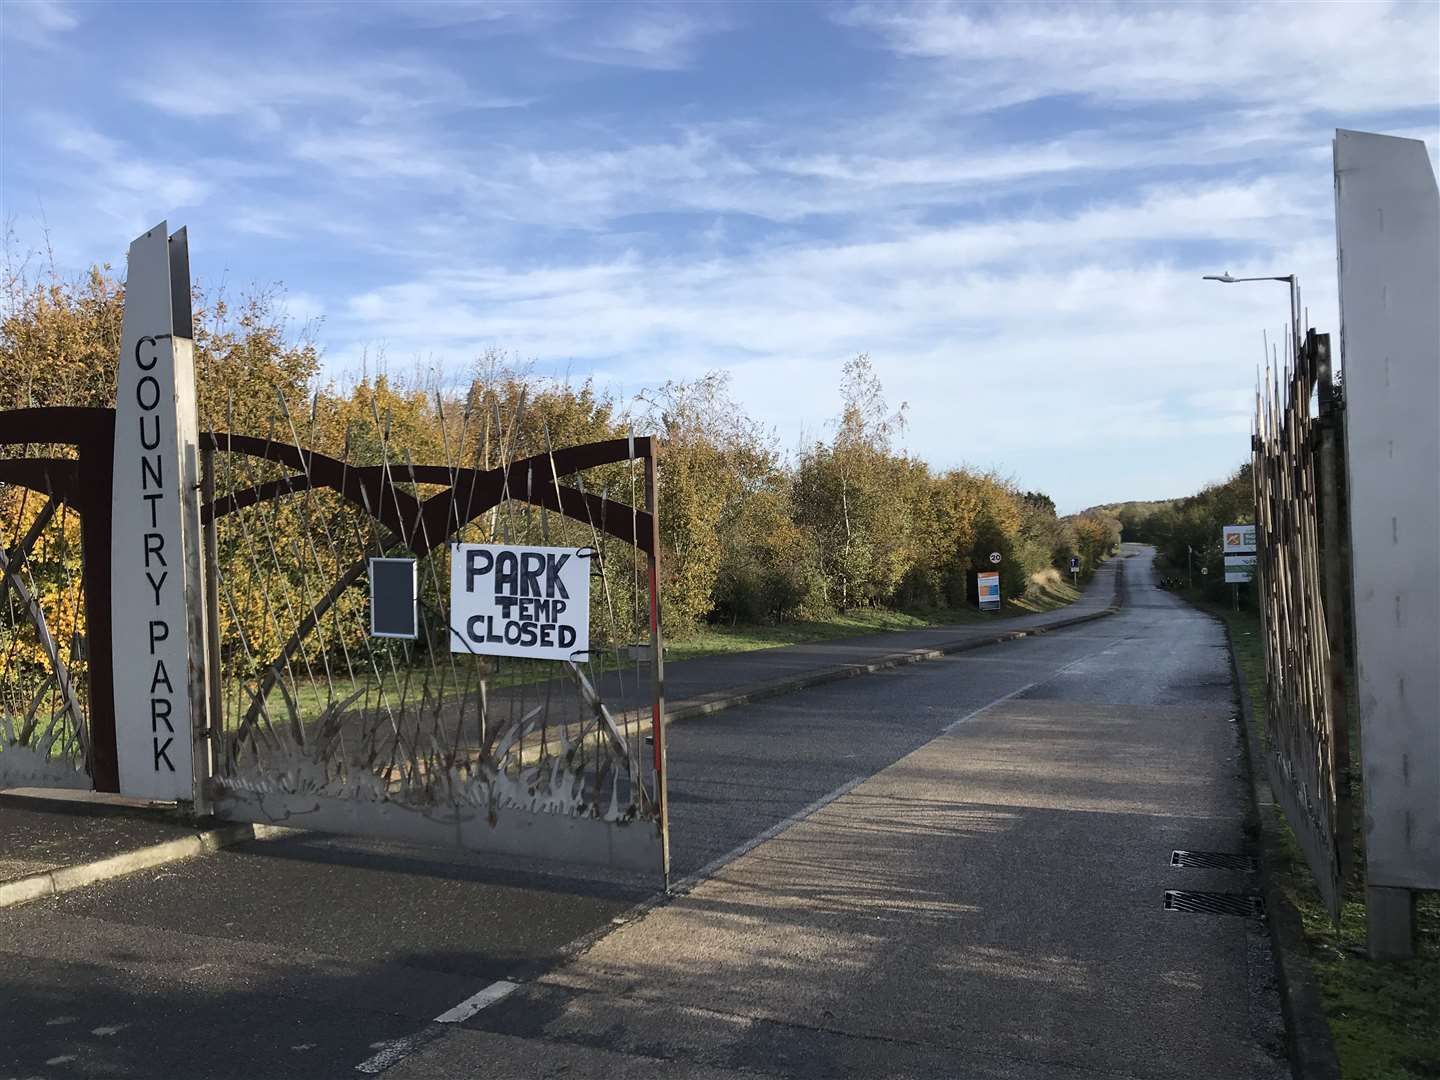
x: 1133, y: 515
x: 1138, y: 507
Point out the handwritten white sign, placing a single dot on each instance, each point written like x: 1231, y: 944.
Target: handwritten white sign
x: 510, y: 600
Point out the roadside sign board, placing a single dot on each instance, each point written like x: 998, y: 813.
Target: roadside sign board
x: 995, y: 557
x: 987, y: 585
x: 1237, y: 539
x: 1239, y: 569
x: 510, y: 600
x: 1074, y: 564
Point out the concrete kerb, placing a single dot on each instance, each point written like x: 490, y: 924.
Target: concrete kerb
x: 85, y: 803
x: 68, y: 878
x: 1310, y: 1046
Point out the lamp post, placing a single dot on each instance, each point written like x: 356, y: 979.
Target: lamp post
x: 1289, y: 279
x: 1295, y: 337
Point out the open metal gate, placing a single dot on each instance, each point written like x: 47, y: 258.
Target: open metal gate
x: 318, y: 723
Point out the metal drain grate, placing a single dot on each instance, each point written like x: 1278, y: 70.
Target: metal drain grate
x: 1213, y: 903
x: 1212, y: 860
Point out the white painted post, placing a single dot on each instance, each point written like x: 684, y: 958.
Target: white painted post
x: 157, y: 588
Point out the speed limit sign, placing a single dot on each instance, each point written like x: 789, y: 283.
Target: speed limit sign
x: 995, y: 557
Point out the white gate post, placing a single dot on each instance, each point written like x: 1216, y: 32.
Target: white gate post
x: 157, y: 587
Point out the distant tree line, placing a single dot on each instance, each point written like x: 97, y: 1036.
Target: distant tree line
x: 750, y: 534
x: 1190, y: 529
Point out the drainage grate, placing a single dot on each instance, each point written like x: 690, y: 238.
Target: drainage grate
x: 1213, y: 903
x: 1212, y: 860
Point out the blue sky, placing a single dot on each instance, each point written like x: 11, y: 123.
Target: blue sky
x: 1008, y: 207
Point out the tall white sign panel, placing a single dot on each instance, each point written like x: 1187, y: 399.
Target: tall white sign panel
x: 156, y: 590
x: 1387, y: 224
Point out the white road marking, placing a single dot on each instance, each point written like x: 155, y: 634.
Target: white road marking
x: 392, y: 1052
x: 688, y: 882
x: 60, y: 1059
x: 1028, y: 686
x: 108, y: 1029
x: 496, y: 991
x: 990, y: 705
x: 396, y: 1050
x: 54, y: 1020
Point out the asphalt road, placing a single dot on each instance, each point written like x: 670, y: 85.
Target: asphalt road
x: 304, y: 957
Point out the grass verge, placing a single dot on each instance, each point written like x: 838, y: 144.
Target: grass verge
x: 1383, y: 1016
x: 1047, y: 594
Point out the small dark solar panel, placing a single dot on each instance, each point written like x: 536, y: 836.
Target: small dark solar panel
x: 393, y: 611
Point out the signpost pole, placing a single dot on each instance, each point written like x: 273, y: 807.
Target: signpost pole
x: 657, y: 661
x: 207, y: 750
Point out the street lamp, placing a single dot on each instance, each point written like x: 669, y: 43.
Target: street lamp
x: 1294, y: 283
x: 1289, y: 279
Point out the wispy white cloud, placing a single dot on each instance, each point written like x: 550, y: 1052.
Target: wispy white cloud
x: 1130, y: 342
x: 125, y: 181
x: 1336, y: 56
x: 660, y: 37
x: 37, y: 23
x: 379, y: 91
x: 478, y: 17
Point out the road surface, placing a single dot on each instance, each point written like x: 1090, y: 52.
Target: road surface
x: 972, y: 886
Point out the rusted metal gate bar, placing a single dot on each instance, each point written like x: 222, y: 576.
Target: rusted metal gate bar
x: 85, y: 484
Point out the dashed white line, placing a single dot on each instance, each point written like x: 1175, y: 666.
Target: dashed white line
x: 1028, y: 686
x: 496, y: 991
x: 991, y: 704
x: 688, y: 882
x: 391, y: 1053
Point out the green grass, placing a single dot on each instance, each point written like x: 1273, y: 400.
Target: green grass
x: 1047, y: 594
x: 712, y: 640
x: 1384, y: 1016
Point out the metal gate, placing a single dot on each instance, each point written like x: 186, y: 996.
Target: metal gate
x: 57, y: 724
x: 317, y: 723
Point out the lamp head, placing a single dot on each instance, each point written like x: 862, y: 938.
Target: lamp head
x: 1225, y: 277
